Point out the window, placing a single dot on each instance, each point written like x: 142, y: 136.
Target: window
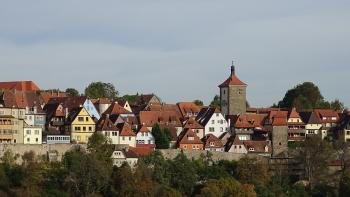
x: 28, y: 139
x: 84, y: 128
x: 77, y: 128
x: 28, y: 132
x: 213, y: 122
x: 217, y: 114
x: 80, y: 119
x: 36, y: 140
x: 78, y: 138
x: 36, y: 132
x: 211, y: 129
x: 129, y: 138
x: 185, y: 146
x: 123, y: 138
x: 87, y: 119
x: 212, y: 144
x: 191, y: 138
x: 221, y: 129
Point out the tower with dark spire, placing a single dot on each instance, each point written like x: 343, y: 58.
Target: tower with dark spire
x: 233, y: 99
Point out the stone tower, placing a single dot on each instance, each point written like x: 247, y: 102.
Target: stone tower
x: 233, y: 95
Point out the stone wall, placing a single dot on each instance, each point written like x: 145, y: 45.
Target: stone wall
x: 53, y: 151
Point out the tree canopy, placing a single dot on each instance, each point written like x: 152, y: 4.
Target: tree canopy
x: 215, y: 102
x: 198, y: 102
x: 101, y: 90
x: 162, y: 137
x: 72, y: 92
x: 307, y: 96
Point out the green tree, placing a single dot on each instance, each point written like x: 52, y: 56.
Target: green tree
x: 337, y: 105
x: 344, y: 187
x: 314, y: 155
x: 252, y: 171
x: 215, y: 102
x: 198, y: 102
x: 162, y: 137
x: 101, y: 90
x: 72, y: 92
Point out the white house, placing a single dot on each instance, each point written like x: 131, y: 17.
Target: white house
x: 106, y: 127
x: 32, y: 135
x: 144, y: 138
x: 119, y: 157
x: 213, y: 121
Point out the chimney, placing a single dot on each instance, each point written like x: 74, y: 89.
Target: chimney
x: 66, y: 111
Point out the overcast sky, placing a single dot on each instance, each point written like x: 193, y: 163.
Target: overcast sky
x: 180, y: 50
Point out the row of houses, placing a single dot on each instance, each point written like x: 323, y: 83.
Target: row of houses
x: 30, y: 116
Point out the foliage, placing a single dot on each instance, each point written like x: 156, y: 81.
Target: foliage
x: 101, y: 90
x: 198, y: 102
x: 72, y: 92
x: 162, y: 137
x: 307, y: 96
x: 215, y: 102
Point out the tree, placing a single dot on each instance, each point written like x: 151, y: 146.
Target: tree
x: 198, y: 102
x: 252, y: 171
x: 344, y: 187
x: 314, y: 155
x: 162, y: 137
x: 215, y: 102
x: 72, y: 92
x: 101, y: 90
x: 337, y: 105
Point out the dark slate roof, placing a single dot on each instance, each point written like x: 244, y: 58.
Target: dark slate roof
x: 205, y: 114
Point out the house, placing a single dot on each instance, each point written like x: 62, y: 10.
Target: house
x: 127, y: 136
x: 107, y: 128
x: 125, y: 156
x: 329, y: 119
x: 35, y: 116
x: 144, y: 138
x: 213, y: 121
x: 141, y: 102
x: 32, y: 134
x: 115, y: 109
x: 70, y: 103
x: 343, y: 128
x: 188, y: 140
x: 248, y: 126
x: 124, y: 103
x: 191, y: 123
x: 313, y: 123
x: 276, y: 124
x: 212, y: 143
x: 258, y: 147
x: 188, y: 109
x: 55, y: 118
x: 80, y: 125
x: 296, y: 126
x: 102, y: 104
x: 11, y: 125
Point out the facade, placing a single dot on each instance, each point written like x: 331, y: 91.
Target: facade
x: 188, y: 109
x: 35, y: 116
x: 296, y: 126
x: 212, y: 143
x: 191, y: 123
x: 189, y: 140
x: 119, y: 157
x: 127, y: 136
x: 233, y: 95
x: 144, y: 138
x: 57, y: 139
x: 80, y: 125
x: 213, y: 121
x: 8, y: 130
x: 32, y: 134
x: 106, y: 127
x: 14, y: 117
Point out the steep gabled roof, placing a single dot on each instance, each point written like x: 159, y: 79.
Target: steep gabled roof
x: 211, y: 141
x: 205, y: 114
x: 292, y: 113
x: 73, y: 114
x: 69, y: 102
x: 105, y: 124
x: 149, y: 118
x: 233, y: 80
x: 115, y: 108
x: 144, y: 129
x: 188, y: 136
x: 249, y: 120
x: 125, y: 130
x: 188, y: 107
x: 258, y: 146
x: 191, y: 123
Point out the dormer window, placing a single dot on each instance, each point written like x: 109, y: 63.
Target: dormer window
x: 251, y: 149
x: 212, y: 144
x: 190, y: 138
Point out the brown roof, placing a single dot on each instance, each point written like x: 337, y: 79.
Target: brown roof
x: 69, y: 102
x: 48, y: 95
x: 185, y: 137
x: 103, y: 101
x: 188, y: 107
x: 259, y: 146
x: 115, y: 108
x: 141, y: 151
x: 125, y: 130
x: 278, y: 118
x: 232, y: 80
x: 21, y: 99
x: 105, y: 124
x: 19, y: 86
x: 248, y: 120
x: 326, y: 115
x: 212, y: 139
x: 191, y: 123
x: 292, y: 113
x: 144, y: 129
x: 149, y: 118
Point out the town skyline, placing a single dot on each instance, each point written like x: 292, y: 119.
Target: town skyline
x: 139, y: 47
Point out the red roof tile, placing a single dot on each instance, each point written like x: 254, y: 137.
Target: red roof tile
x: 19, y: 86
x: 211, y: 141
x: 232, y: 80
x: 189, y: 137
x: 115, y: 108
x: 125, y: 130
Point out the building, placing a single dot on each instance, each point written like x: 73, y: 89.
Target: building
x: 248, y: 126
x: 233, y: 99
x: 163, y: 118
x: 277, y: 125
x: 257, y: 147
x: 80, y: 125
x: 212, y: 143
x: 19, y: 86
x: 188, y: 140
x: 120, y: 157
x: 127, y: 136
x: 35, y: 116
x: 12, y: 124
x: 343, y: 128
x: 32, y: 134
x: 191, y: 123
x: 106, y: 127
x: 313, y: 123
x: 188, y: 109
x: 213, y: 121
x: 296, y: 126
x: 144, y: 138
x: 102, y: 104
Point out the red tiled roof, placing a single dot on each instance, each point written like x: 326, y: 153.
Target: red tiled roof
x: 141, y: 151
x: 212, y: 139
x: 250, y: 121
x: 125, y: 130
x: 232, y: 80
x: 19, y: 86
x: 191, y: 123
x: 149, y: 118
x: 105, y: 124
x: 144, y: 129
x: 259, y: 146
x: 48, y: 95
x: 188, y: 107
x: 115, y: 108
x: 187, y: 134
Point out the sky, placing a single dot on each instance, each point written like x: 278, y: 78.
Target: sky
x: 180, y: 50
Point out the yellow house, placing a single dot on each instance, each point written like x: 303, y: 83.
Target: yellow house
x: 80, y: 125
